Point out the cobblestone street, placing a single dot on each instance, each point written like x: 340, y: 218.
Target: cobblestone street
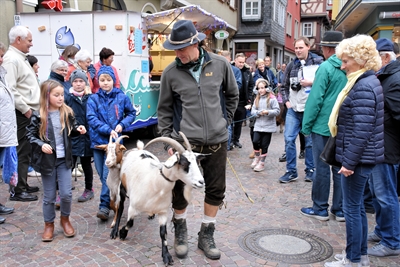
x: 275, y: 206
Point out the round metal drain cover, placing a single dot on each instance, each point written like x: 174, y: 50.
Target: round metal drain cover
x: 285, y: 245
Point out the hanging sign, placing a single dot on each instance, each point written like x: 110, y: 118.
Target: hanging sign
x: 221, y: 34
x: 56, y: 5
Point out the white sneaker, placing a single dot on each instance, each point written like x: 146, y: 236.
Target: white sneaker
x: 34, y: 174
x: 76, y: 172
x: 342, y: 263
x: 364, y: 258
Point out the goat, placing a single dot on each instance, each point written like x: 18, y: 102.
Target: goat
x: 113, y: 163
x: 149, y: 183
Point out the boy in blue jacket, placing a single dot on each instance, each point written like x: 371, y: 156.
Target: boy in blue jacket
x: 109, y: 112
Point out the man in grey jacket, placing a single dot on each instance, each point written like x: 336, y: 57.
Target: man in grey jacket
x: 198, y: 96
x: 22, y: 81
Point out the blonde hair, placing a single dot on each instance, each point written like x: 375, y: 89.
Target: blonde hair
x: 268, y: 94
x: 259, y: 61
x: 65, y: 111
x: 362, y: 48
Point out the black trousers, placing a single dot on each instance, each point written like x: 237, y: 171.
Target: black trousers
x: 23, y: 151
x: 86, y: 163
x: 239, y: 116
x: 214, y: 173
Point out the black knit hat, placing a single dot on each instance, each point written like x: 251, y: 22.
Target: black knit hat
x: 182, y: 35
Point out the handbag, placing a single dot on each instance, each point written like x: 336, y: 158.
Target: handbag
x: 329, y: 153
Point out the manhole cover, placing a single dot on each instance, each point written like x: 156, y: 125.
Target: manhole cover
x: 285, y: 245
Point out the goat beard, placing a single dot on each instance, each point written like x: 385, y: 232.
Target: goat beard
x: 187, y: 193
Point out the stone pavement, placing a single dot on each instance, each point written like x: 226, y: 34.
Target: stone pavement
x: 275, y: 206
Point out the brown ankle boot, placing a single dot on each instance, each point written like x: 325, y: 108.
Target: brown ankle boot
x: 48, y: 232
x: 67, y: 227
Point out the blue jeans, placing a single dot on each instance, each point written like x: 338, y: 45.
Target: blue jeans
x: 61, y: 175
x: 322, y: 179
x: 229, y: 136
x: 292, y: 129
x: 354, y: 212
x: 383, y: 185
x: 99, y: 157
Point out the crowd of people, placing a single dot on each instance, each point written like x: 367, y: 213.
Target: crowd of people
x: 351, y: 94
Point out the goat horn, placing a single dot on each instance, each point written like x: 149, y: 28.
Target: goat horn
x: 120, y: 138
x: 186, y: 142
x: 110, y: 139
x: 175, y: 144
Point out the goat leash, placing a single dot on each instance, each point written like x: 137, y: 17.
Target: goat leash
x: 240, y: 183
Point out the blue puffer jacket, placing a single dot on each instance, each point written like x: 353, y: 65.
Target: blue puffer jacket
x: 105, y: 112
x: 360, y: 124
x: 80, y: 144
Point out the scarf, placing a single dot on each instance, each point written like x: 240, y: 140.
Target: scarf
x: 75, y: 93
x: 351, y: 80
x: 196, y: 64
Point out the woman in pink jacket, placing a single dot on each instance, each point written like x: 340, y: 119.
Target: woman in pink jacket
x: 106, y: 58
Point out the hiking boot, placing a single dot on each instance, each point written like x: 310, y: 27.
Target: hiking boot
x: 319, y: 215
x: 289, y: 177
x: 372, y: 237
x: 181, y: 240
x: 57, y: 203
x: 282, y: 158
x: 87, y: 195
x: 260, y: 167
x: 364, y: 258
x: 256, y: 160
x: 380, y: 250
x: 103, y: 214
x: 206, y: 241
x: 309, y: 175
x: 301, y: 155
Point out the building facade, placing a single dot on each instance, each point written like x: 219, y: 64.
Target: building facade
x: 380, y: 19
x: 261, y: 30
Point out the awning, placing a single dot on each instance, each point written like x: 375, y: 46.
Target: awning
x: 163, y: 21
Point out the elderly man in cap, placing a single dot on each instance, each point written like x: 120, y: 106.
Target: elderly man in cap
x: 383, y: 179
x: 23, y: 82
x: 329, y: 81
x: 198, y: 96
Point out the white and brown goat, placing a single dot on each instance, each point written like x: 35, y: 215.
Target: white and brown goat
x: 149, y: 183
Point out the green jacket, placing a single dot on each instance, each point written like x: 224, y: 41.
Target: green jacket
x: 329, y: 81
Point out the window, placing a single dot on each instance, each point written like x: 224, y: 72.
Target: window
x: 279, y: 13
x: 251, y: 9
x: 307, y: 29
x: 296, y: 29
x: 289, y: 24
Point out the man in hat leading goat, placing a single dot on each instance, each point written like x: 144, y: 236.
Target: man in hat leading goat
x: 198, y: 96
x: 329, y: 81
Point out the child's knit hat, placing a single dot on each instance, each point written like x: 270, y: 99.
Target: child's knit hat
x: 106, y: 70
x: 78, y: 74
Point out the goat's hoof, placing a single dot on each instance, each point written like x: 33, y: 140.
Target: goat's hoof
x: 114, y: 233
x: 151, y: 217
x: 122, y: 234
x: 167, y: 259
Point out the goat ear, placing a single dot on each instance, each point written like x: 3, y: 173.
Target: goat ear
x: 102, y: 147
x: 171, y: 161
x: 122, y: 147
